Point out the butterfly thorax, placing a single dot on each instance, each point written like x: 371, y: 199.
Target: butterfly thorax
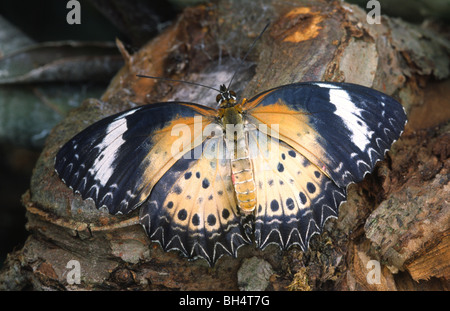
x: 229, y: 111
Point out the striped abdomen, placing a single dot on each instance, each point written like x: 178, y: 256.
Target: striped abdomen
x: 242, y: 176
x: 244, y: 184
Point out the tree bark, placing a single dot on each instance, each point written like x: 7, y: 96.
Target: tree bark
x: 398, y: 216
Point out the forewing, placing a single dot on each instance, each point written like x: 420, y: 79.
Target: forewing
x: 294, y: 197
x: 193, y: 207
x: 343, y: 129
x: 117, y: 161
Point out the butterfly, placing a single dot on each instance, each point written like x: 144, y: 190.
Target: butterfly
x: 268, y: 170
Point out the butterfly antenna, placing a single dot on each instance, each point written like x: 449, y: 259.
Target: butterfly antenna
x: 173, y: 80
x: 248, y: 52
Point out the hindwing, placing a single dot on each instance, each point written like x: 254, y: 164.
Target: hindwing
x: 294, y: 197
x: 193, y: 207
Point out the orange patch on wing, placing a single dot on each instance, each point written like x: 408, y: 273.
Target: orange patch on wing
x: 171, y: 143
x: 206, y: 111
x: 247, y: 105
x: 277, y: 107
x: 280, y: 114
x: 293, y: 127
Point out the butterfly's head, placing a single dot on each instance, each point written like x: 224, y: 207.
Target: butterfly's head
x: 226, y: 98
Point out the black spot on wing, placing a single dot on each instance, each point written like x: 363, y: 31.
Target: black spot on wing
x: 195, y: 220
x: 211, y: 220
x: 225, y: 213
x: 302, y: 197
x: 205, y: 183
x: 311, y: 188
x: 280, y: 167
x: 182, y: 214
x: 177, y: 190
x: 274, y: 206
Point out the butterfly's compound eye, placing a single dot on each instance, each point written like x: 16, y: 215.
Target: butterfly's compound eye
x: 218, y: 98
x: 233, y: 94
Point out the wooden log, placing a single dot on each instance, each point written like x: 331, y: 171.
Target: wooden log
x: 307, y: 40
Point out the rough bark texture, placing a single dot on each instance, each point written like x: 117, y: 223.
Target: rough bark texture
x: 399, y: 215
